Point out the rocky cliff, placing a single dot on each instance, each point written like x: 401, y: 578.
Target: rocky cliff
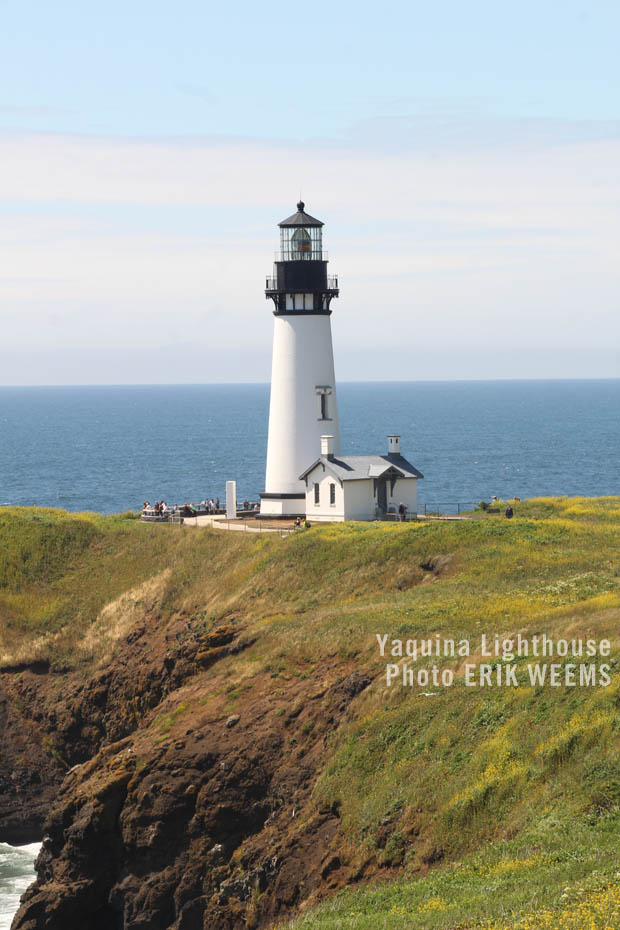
x: 158, y: 805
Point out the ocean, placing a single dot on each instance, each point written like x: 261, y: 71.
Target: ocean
x: 16, y: 873
x: 108, y: 449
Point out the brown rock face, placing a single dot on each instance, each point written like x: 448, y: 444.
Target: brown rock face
x: 29, y: 775
x: 173, y: 817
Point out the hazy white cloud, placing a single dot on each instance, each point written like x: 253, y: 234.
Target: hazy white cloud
x: 107, y: 242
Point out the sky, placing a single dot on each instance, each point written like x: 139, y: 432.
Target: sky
x: 465, y: 159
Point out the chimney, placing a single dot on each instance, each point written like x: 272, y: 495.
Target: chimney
x: 327, y: 446
x: 393, y: 445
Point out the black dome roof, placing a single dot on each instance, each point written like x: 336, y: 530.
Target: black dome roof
x: 301, y: 218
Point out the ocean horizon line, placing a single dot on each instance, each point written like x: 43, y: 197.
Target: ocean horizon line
x: 186, y: 384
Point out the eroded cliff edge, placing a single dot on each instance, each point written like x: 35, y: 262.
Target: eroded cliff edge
x: 202, y: 818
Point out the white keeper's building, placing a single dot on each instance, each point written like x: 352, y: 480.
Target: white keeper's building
x: 303, y: 409
x: 360, y: 487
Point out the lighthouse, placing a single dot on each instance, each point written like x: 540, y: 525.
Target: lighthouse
x: 303, y: 385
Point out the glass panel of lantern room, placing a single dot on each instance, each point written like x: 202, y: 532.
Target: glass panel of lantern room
x: 316, y: 237
x: 299, y: 243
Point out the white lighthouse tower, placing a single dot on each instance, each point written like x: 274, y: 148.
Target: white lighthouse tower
x: 303, y: 385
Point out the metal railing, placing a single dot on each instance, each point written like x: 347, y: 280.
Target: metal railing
x: 434, y: 508
x: 271, y: 284
x: 287, y: 255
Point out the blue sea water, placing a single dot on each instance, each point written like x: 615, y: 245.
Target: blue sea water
x: 109, y: 448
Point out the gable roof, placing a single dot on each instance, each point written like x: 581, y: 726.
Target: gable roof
x: 359, y: 467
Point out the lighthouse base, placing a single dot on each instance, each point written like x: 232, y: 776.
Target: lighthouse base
x: 281, y: 506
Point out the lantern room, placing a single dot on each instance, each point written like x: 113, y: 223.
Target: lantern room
x: 300, y: 283
x: 301, y: 237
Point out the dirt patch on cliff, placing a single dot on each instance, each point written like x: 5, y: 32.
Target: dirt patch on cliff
x: 118, y: 617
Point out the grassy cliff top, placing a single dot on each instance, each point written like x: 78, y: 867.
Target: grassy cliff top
x: 480, y: 804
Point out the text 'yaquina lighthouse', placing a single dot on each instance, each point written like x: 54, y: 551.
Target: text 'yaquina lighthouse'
x: 305, y: 474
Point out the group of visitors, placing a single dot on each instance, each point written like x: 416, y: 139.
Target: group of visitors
x: 509, y: 512
x: 160, y: 510
x: 159, y: 507
x: 250, y: 505
x: 210, y: 505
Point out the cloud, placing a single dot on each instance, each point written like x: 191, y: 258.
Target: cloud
x: 440, y: 253
x: 467, y: 131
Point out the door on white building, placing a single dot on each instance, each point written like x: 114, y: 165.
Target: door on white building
x: 382, y: 494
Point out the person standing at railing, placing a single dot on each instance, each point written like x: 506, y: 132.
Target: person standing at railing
x: 402, y: 511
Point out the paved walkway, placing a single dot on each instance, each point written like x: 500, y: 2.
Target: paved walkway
x: 219, y: 522
x: 441, y: 516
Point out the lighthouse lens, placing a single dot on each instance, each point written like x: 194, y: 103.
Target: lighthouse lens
x: 301, y: 244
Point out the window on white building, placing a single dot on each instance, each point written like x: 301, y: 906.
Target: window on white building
x: 332, y: 494
x: 317, y: 493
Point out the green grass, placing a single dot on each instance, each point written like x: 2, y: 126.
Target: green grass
x: 469, y: 780
x: 550, y: 866
x: 59, y: 570
x: 165, y: 722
